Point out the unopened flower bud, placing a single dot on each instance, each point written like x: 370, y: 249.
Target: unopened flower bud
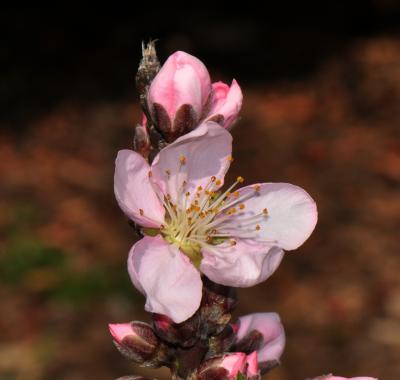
x: 217, y: 303
x: 185, y: 334
x: 135, y: 340
x: 226, y: 367
x: 141, y: 139
x: 252, y: 370
x: 226, y: 103
x: 148, y: 68
x: 178, y: 95
x: 264, y: 333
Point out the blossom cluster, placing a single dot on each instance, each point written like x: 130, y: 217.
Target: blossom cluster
x: 200, y: 238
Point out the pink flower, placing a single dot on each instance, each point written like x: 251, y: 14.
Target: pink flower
x: 236, y: 238
x: 272, y: 342
x: 226, y: 104
x: 181, y: 96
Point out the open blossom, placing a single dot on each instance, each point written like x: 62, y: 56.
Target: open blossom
x: 262, y: 332
x: 181, y: 95
x: 235, y: 237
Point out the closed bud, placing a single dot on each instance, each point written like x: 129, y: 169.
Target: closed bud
x: 178, y: 95
x: 263, y: 333
x: 136, y: 341
x: 226, y: 367
x: 148, y: 68
x: 217, y: 303
x: 184, y: 334
x: 141, y: 139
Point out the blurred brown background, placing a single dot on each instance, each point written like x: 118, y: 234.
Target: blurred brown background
x: 321, y: 110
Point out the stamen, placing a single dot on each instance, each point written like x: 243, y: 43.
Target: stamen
x: 150, y: 174
x: 141, y: 212
x: 240, y: 179
x: 182, y: 160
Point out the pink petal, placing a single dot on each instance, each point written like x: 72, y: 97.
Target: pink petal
x: 292, y: 213
x: 134, y: 191
x: 227, y: 102
x: 183, y: 79
x: 245, y: 264
x: 234, y: 363
x: 171, y: 284
x: 206, y: 151
x: 269, y: 325
x: 120, y: 330
x: 252, y: 364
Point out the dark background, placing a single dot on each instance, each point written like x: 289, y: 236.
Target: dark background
x: 321, y: 110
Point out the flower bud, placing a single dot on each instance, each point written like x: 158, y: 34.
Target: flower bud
x: 184, y: 334
x: 178, y: 95
x: 141, y: 140
x: 252, y: 370
x: 148, y: 68
x: 135, y: 340
x: 225, y: 367
x: 226, y: 103
x: 264, y: 333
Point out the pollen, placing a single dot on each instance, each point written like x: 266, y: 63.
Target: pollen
x: 199, y: 188
x: 242, y: 206
x: 230, y: 158
x: 218, y: 182
x: 236, y: 194
x: 265, y: 211
x: 182, y: 160
x: 257, y: 188
x: 187, y: 193
x: 258, y: 227
x: 240, y: 179
x: 150, y: 173
x: 232, y: 242
x: 141, y: 212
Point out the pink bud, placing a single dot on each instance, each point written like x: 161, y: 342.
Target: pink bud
x: 262, y: 332
x: 234, y: 363
x: 252, y: 365
x: 182, y: 86
x: 119, y: 331
x: 226, y: 103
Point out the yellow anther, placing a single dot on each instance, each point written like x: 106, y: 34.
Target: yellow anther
x: 196, y: 202
x: 187, y: 193
x: 202, y: 215
x: 228, y: 193
x: 230, y: 158
x: 182, y: 160
x: 257, y: 188
x: 232, y: 242
x: 242, y: 206
x: 218, y: 182
x: 141, y: 212
x: 199, y: 188
x: 265, y: 211
x: 150, y: 173
x: 231, y: 211
x: 240, y: 179
x: 236, y: 194
x: 258, y: 228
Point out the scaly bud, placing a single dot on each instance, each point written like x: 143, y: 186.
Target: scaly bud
x: 148, y: 68
x: 141, y: 139
x: 136, y: 341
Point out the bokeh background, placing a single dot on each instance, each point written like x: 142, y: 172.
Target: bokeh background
x: 321, y: 110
